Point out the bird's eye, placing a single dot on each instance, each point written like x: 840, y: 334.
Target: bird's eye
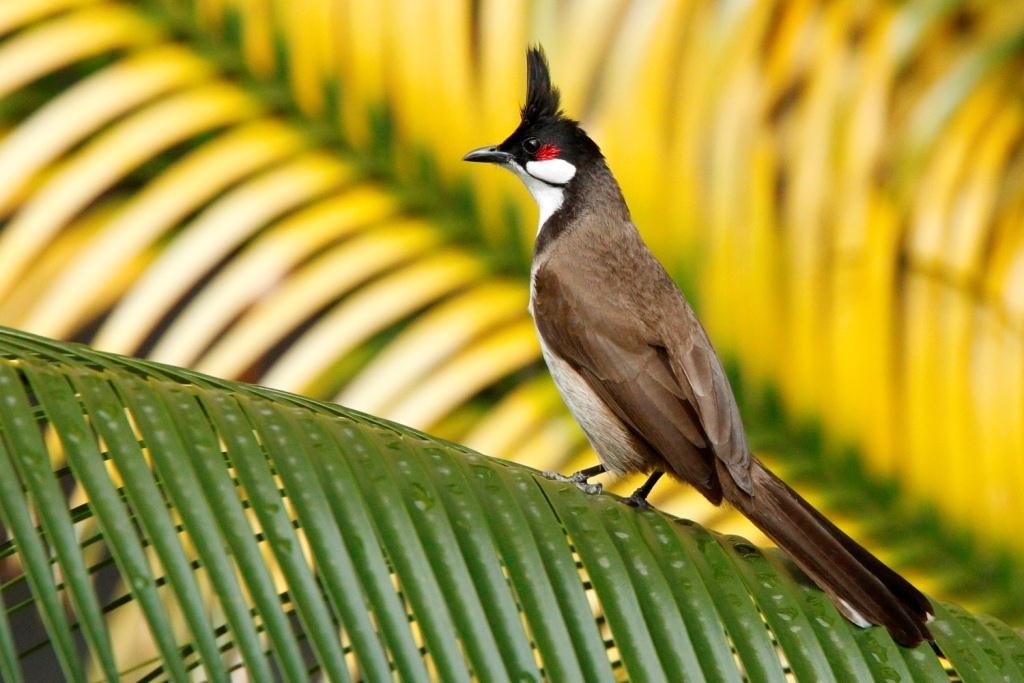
x: 531, y: 145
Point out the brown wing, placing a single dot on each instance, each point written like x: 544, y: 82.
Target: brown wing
x: 665, y: 384
x: 696, y: 366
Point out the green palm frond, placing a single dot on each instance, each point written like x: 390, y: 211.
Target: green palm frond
x: 271, y: 190
x: 252, y: 528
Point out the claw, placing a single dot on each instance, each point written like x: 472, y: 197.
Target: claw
x: 639, y: 498
x: 578, y: 479
x: 638, y: 502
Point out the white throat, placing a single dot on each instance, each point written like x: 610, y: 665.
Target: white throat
x: 546, y: 182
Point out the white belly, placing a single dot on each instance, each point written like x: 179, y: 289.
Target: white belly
x: 604, y: 430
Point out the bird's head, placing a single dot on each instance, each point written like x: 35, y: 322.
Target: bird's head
x: 548, y: 148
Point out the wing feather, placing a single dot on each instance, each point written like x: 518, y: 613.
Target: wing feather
x: 635, y: 377
x: 694, y: 363
x: 664, y: 381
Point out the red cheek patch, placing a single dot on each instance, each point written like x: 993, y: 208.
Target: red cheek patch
x: 546, y: 152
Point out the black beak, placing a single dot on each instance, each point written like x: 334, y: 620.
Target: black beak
x: 491, y: 155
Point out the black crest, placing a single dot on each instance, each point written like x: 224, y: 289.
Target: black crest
x: 542, y: 99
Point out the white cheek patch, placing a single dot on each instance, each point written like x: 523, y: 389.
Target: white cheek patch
x: 554, y: 171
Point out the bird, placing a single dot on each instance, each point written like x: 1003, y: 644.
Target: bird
x: 639, y: 374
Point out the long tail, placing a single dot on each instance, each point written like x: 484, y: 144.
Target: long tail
x: 864, y: 589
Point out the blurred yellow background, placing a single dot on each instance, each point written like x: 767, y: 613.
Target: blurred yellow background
x: 273, y: 191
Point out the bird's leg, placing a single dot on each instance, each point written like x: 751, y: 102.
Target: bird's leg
x: 581, y: 478
x: 639, y: 497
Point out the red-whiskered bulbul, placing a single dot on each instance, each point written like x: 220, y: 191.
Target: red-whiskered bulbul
x: 637, y: 371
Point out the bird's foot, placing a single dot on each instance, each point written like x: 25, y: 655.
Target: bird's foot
x: 637, y: 501
x: 639, y: 498
x: 579, y: 479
